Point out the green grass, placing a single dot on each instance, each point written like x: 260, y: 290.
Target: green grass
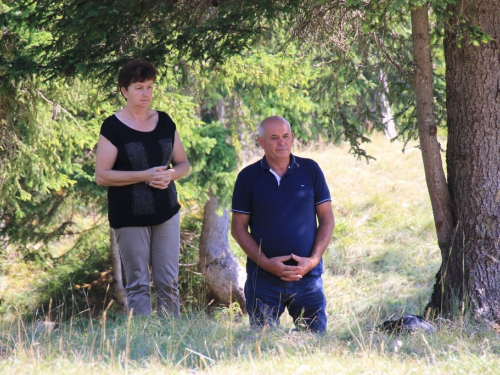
x: 380, y: 263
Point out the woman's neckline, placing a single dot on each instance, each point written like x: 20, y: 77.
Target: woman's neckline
x: 137, y: 130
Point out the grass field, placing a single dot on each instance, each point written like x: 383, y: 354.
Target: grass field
x: 381, y: 263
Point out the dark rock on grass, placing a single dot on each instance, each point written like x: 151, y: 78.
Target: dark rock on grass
x: 407, y: 323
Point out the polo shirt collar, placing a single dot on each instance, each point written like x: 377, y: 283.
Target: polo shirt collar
x: 293, y: 163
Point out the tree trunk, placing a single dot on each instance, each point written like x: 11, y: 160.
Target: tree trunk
x: 116, y: 261
x: 431, y: 149
x: 223, y: 274
x: 472, y: 272
x: 390, y: 127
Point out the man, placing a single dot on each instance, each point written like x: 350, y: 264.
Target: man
x: 275, y: 205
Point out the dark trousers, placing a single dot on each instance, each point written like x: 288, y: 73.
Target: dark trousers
x: 267, y: 297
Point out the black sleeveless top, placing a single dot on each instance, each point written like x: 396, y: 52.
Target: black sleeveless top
x: 139, y: 204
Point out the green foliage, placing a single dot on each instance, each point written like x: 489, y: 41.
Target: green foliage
x: 215, y: 166
x: 49, y: 199
x: 208, y: 33
x: 40, y: 137
x: 459, y: 21
x: 96, y: 37
x: 354, y: 45
x: 83, y: 42
x: 247, y: 88
x: 48, y: 150
x: 182, y: 109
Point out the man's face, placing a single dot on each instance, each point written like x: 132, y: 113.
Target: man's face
x: 277, y: 140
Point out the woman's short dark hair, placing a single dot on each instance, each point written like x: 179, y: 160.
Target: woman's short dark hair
x: 136, y: 71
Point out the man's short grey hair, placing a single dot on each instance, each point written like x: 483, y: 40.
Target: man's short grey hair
x: 263, y: 122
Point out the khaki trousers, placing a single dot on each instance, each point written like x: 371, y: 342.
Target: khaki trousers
x: 154, y: 248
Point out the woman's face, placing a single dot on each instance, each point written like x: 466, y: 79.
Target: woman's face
x: 139, y: 93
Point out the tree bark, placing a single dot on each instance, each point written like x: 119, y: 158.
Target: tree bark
x: 116, y: 261
x: 472, y: 272
x: 431, y: 149
x: 223, y: 274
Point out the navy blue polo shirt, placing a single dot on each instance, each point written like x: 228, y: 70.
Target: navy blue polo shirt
x: 282, y: 215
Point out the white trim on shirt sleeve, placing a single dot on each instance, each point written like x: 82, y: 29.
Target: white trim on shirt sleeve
x: 323, y: 201
x: 241, y: 212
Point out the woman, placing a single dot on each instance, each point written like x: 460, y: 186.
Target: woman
x: 139, y: 156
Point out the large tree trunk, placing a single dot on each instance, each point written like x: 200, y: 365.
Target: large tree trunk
x: 223, y: 274
x: 471, y: 274
x: 431, y: 149
x: 473, y: 158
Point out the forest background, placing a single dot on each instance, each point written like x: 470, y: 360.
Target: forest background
x: 223, y: 69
